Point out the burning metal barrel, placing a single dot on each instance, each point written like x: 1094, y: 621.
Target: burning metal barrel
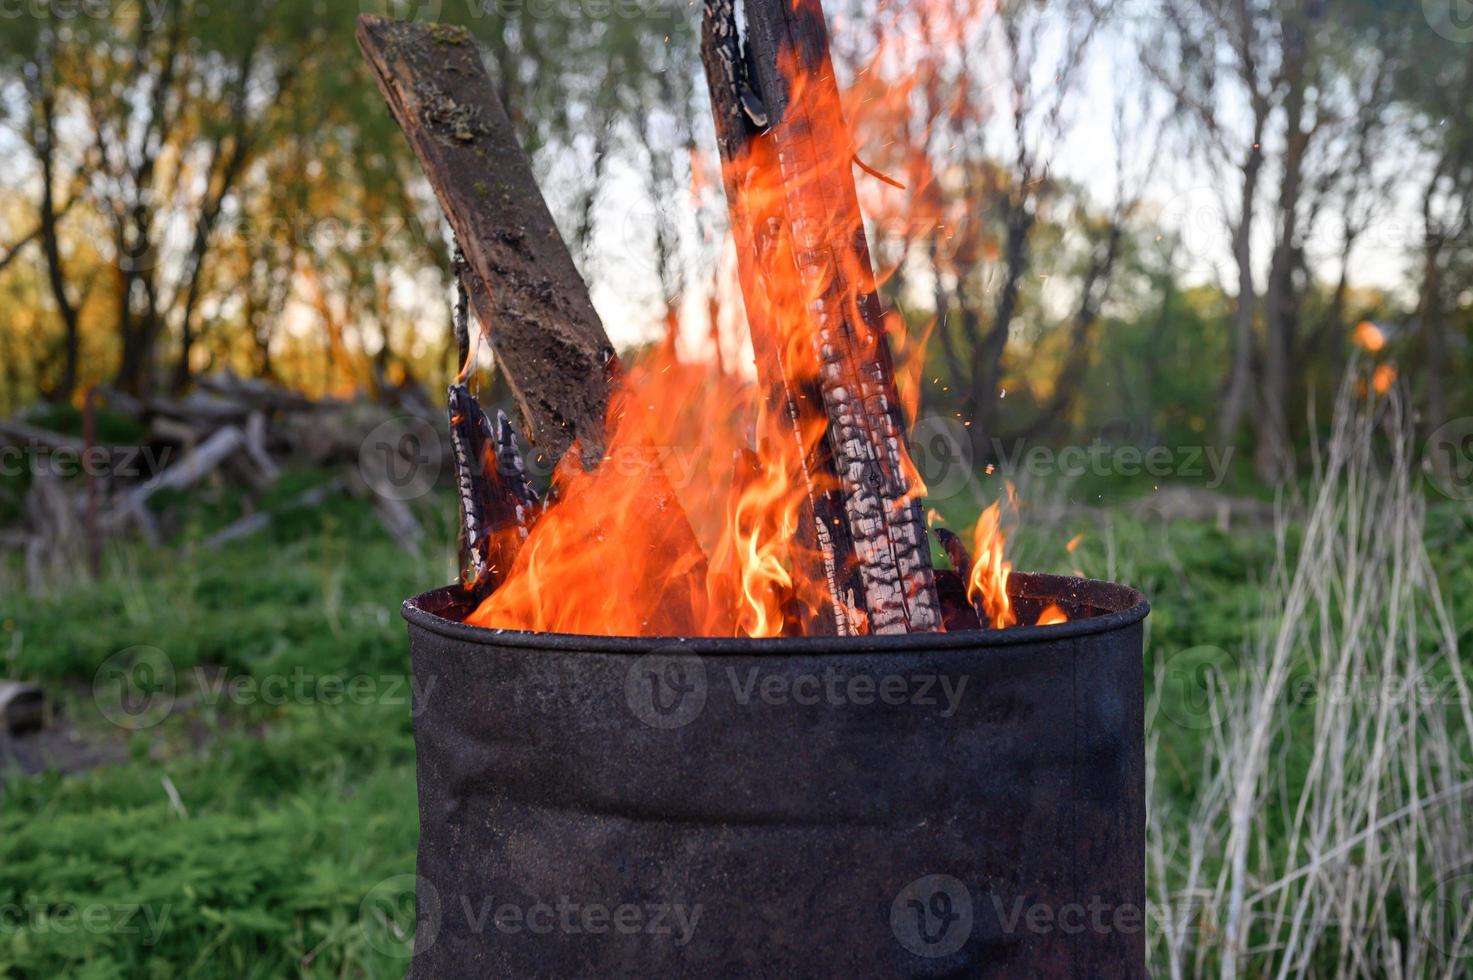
x: 925, y: 805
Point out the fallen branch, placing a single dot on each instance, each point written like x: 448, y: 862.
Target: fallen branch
x: 205, y: 458
x: 21, y: 434
x: 252, y: 524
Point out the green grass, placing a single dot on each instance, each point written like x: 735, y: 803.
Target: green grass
x: 250, y: 830
x: 293, y: 802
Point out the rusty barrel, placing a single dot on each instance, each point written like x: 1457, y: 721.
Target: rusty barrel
x: 940, y: 805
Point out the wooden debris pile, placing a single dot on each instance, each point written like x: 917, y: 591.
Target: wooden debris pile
x: 230, y: 431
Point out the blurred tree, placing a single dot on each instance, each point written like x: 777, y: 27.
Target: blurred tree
x: 1435, y: 86
x: 244, y: 173
x: 965, y: 112
x: 1298, y: 100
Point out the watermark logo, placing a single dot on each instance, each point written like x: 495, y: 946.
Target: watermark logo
x: 401, y: 459
x: 1451, y: 19
x: 1448, y: 458
x: 135, y: 688
x: 1447, y: 915
x: 932, y: 916
x: 666, y: 690
x: 1199, y: 219
x: 399, y: 912
x: 645, y: 223
x: 941, y: 448
x: 1189, y: 682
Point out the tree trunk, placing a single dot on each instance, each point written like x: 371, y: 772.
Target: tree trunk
x: 987, y: 356
x: 1240, y: 377
x: 45, y: 146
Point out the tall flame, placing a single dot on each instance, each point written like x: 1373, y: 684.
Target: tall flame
x: 987, y: 586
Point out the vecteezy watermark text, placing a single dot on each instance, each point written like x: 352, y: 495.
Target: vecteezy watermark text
x: 569, y: 917
x: 670, y: 690
x: 129, y: 462
x: 301, y: 687
x: 147, y: 922
x: 404, y: 915
x: 1102, y: 459
x: 835, y: 688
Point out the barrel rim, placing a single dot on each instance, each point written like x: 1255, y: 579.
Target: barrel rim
x: 1127, y: 606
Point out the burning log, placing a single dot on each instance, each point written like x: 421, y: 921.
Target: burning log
x: 497, y: 504
x: 779, y: 125
x: 958, y: 611
x: 823, y: 531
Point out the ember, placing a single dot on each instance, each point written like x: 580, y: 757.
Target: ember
x: 803, y: 513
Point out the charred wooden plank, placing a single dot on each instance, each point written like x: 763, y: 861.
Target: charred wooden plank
x: 956, y: 551
x: 512, y: 469
x: 958, y: 611
x: 525, y: 290
x: 856, y: 378
x: 497, y: 504
x: 823, y: 532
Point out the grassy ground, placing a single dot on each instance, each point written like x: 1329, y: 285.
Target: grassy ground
x: 248, y: 823
x: 253, y: 834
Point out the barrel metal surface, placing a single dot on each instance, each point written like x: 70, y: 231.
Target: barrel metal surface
x: 964, y: 804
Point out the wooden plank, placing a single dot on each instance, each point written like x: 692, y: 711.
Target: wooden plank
x: 810, y: 149
x: 824, y: 543
x: 525, y: 289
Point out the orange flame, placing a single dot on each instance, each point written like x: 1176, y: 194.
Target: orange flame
x: 987, y: 586
x: 1052, y: 616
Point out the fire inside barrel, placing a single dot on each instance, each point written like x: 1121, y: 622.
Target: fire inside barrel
x: 709, y: 502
